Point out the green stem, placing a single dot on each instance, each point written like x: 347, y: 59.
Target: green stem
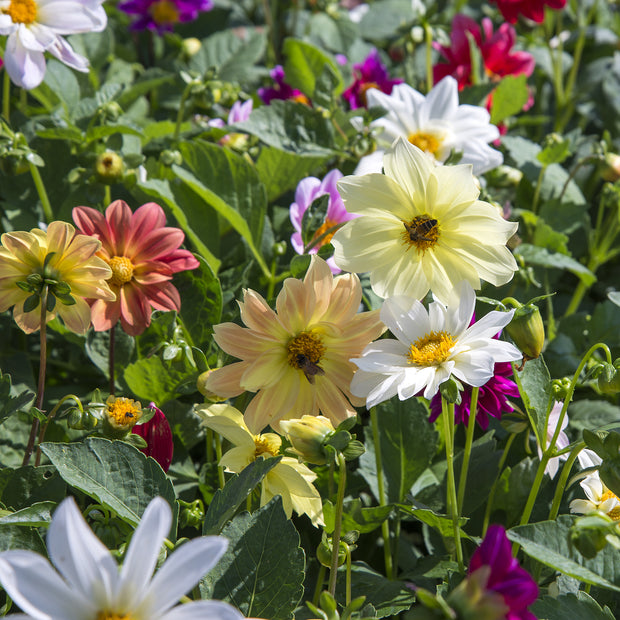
x: 342, y: 481
x: 559, y: 491
x: 218, y: 455
x: 45, y: 201
x: 177, y: 127
x: 469, y: 439
x: 347, y: 595
x: 107, y: 196
x: 6, y: 96
x: 209, y: 445
x: 111, y: 359
x: 385, y: 526
x: 451, y: 501
x: 500, y: 467
x: 272, y: 52
x: 536, y: 197
x: 428, y: 35
x: 34, y: 429
x: 320, y: 579
x: 49, y: 418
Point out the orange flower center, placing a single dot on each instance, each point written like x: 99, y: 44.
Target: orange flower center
x: 301, y: 98
x: 327, y: 224
x: 431, y: 350
x: 614, y: 513
x: 365, y: 88
x: 422, y: 232
x: 122, y: 270
x: 164, y: 12
x: 304, y: 352
x: 124, y: 412
x: 427, y: 142
x: 104, y: 615
x: 266, y: 446
x: 22, y: 11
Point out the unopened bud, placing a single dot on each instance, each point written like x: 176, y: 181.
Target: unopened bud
x: 609, y: 379
x: 527, y: 331
x: 307, y: 436
x: 611, y: 167
x: 191, y: 47
x: 109, y: 168
x: 201, y: 384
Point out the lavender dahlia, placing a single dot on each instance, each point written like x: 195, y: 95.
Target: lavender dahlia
x: 162, y: 15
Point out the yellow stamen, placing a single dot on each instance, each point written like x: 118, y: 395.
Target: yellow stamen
x: 614, y: 513
x: 365, y: 88
x: 267, y: 445
x: 427, y: 142
x: 22, y: 11
x: 122, y: 270
x: 164, y: 12
x: 327, y: 224
x: 301, y: 98
x: 303, y: 349
x: 104, y: 615
x: 422, y: 232
x: 431, y: 350
x: 124, y: 411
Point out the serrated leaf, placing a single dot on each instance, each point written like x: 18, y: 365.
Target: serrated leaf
x: 150, y: 379
x: 254, y: 574
x: 579, y: 607
x: 541, y: 257
x: 113, y: 473
x: 11, y: 404
x: 509, y: 98
x: 226, y: 501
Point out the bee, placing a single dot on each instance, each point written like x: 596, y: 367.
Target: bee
x: 419, y: 231
x: 309, y: 368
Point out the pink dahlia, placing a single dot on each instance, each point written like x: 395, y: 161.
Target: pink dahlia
x: 143, y: 254
x: 505, y: 577
x: 281, y: 90
x: 532, y: 9
x: 162, y: 15
x: 158, y: 436
x: 371, y: 73
x: 495, y: 50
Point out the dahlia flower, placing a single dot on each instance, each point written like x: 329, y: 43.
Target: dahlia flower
x: 435, y: 123
x: 371, y: 73
x: 59, y: 259
x: 162, y: 15
x: 308, y: 190
x: 531, y: 9
x: 600, y: 498
x: 37, y: 26
x: 492, y: 398
x: 495, y: 50
x: 290, y: 479
x: 431, y: 346
x: 281, y: 90
x: 89, y: 585
x: 297, y: 358
x: 143, y: 255
x: 158, y: 436
x: 494, y: 568
x: 561, y: 442
x: 422, y: 227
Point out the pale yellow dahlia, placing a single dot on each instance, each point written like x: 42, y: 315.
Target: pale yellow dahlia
x: 60, y: 261
x: 422, y: 228
x: 290, y: 479
x: 297, y: 358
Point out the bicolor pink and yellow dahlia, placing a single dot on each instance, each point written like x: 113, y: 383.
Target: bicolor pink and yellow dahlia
x: 297, y: 358
x: 143, y: 254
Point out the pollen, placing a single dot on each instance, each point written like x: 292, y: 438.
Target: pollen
x: 123, y: 412
x: 104, y: 615
x: 305, y: 347
x: 431, y: 350
x: 164, y: 12
x: 614, y: 513
x: 427, y: 142
x: 267, y: 445
x: 422, y: 232
x: 22, y: 11
x: 122, y: 270
x: 327, y: 224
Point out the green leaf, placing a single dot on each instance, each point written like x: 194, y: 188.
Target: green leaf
x: 541, y: 257
x: 24, y: 486
x: 113, y: 473
x: 201, y: 293
x: 73, y: 134
x: 103, y: 131
x: 63, y: 82
x: 12, y: 404
x: 226, y: 501
x: 441, y: 523
x: 356, y: 517
x: 509, y: 98
x: 593, y: 415
x: 408, y: 443
x: 580, y: 607
x: 97, y: 349
x: 151, y: 79
x: 549, y: 543
x: 304, y: 64
x: 385, y: 18
x: 16, y: 537
x: 555, y: 150
x: 150, y: 378
x: 37, y: 515
x: 292, y: 127
x: 262, y: 571
x: 534, y: 384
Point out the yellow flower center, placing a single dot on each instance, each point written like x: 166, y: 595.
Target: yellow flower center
x: 124, y: 411
x: 431, y: 350
x: 164, y: 12
x: 615, y: 512
x: 301, y: 98
x: 365, y: 88
x: 104, y: 615
x: 422, y: 232
x: 122, y: 270
x: 266, y: 445
x: 22, y: 11
x: 427, y: 142
x: 327, y: 224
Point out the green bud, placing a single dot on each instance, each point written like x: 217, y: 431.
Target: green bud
x: 201, y: 385
x: 451, y: 390
x: 609, y: 378
x: 527, y: 331
x: 109, y: 168
x: 610, y: 170
x: 307, y: 436
x: 169, y: 157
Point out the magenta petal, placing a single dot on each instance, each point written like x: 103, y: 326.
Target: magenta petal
x: 158, y: 436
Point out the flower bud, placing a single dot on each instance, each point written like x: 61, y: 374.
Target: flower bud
x: 201, y: 385
x: 611, y: 168
x: 307, y: 436
x: 158, y: 436
x: 120, y: 416
x: 191, y: 46
x: 109, y: 168
x: 527, y: 331
x: 609, y: 378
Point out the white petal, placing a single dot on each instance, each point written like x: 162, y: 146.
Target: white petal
x: 370, y: 163
x: 204, y: 610
x: 64, y: 52
x: 26, y: 68
x: 443, y: 99
x: 410, y: 168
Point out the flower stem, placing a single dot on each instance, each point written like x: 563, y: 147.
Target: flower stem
x: 385, y: 526
x: 451, y: 501
x: 347, y: 594
x: 469, y: 439
x: 218, y: 455
x: 428, y: 34
x: 342, y: 481
x: 111, y: 348
x: 50, y: 417
x: 34, y: 429
x: 107, y: 195
x: 559, y: 491
x: 45, y: 201
x: 319, y: 585
x: 177, y: 127
x: 6, y: 96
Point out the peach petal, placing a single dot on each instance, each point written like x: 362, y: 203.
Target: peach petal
x: 93, y: 223
x: 332, y: 402
x: 226, y: 381
x: 295, y: 305
x: 104, y: 314
x: 345, y: 299
x: 272, y: 403
x: 59, y: 236
x: 28, y: 322
x: 135, y: 313
x: 157, y: 244
x: 240, y: 341
x: 118, y: 216
x: 162, y: 296
x: 320, y: 278
x: 145, y: 219
x: 257, y: 315
x: 265, y: 370
x: 180, y: 260
x: 75, y: 317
